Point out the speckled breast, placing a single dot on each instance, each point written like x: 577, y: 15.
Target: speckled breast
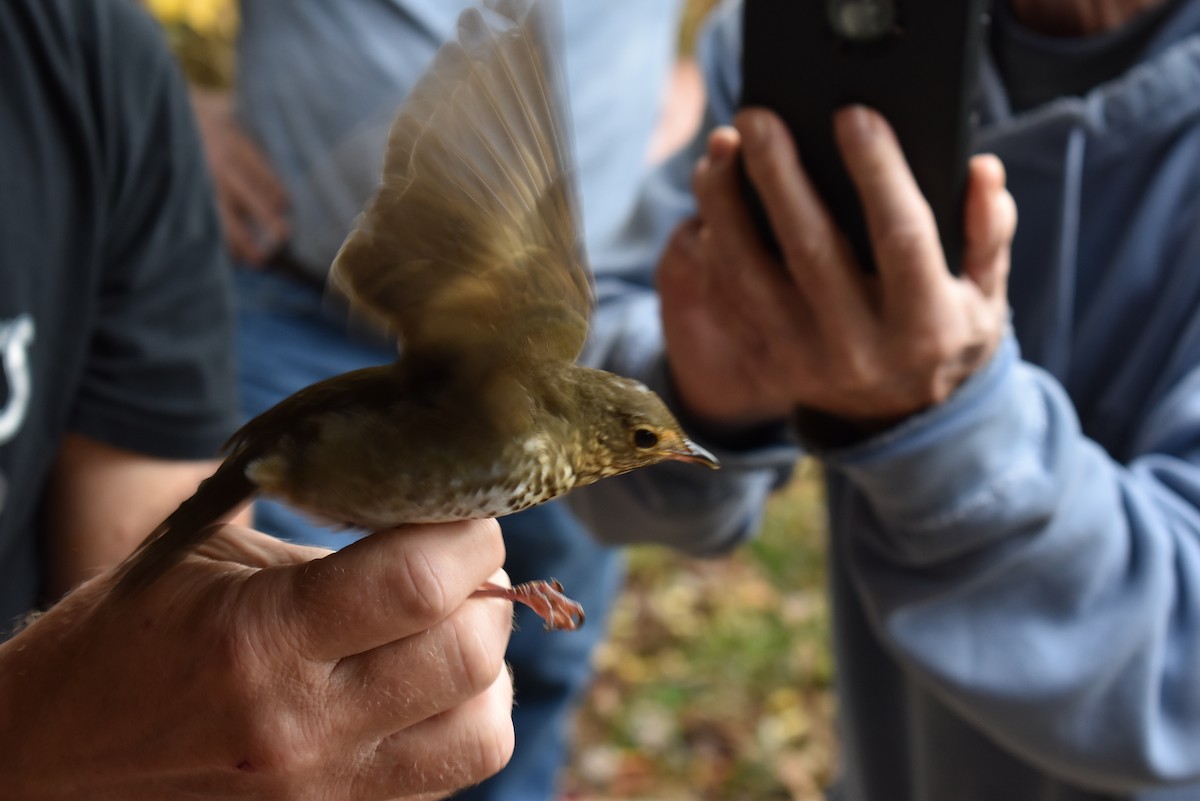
x: 387, y: 493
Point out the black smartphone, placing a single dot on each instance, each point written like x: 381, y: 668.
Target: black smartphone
x: 914, y: 61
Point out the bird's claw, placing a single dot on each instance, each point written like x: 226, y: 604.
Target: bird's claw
x: 546, y: 598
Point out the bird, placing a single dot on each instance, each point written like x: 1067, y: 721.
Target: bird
x: 471, y: 255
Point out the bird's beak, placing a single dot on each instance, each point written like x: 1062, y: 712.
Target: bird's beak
x: 691, y: 452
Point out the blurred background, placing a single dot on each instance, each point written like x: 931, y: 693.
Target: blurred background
x: 715, y: 682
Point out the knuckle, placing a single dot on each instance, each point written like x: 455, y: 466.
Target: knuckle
x: 417, y: 589
x: 800, y: 251
x: 680, y: 250
x: 496, y: 742
x: 858, y: 369
x: 273, y: 749
x: 904, y: 242
x: 493, y: 738
x: 315, y: 588
x: 476, y: 661
x: 762, y: 132
x: 931, y: 346
x: 269, y: 721
x: 246, y: 654
x: 706, y: 190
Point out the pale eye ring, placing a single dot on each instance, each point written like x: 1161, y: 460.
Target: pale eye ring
x: 644, y: 438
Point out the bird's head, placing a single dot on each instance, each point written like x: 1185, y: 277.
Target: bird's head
x: 628, y: 426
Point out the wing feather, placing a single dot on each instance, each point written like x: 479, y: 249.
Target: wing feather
x: 472, y: 247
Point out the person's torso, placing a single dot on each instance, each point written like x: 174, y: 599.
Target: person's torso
x: 319, y: 84
x: 1105, y: 294
x: 51, y: 204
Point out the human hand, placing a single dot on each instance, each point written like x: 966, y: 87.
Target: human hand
x: 750, y: 339
x: 250, y: 671
x: 251, y: 201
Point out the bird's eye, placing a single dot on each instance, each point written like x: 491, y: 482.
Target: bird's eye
x: 645, y: 438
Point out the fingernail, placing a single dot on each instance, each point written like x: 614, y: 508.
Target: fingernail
x: 857, y: 122
x: 720, y: 146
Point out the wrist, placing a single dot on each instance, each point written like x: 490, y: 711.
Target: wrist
x: 728, y: 430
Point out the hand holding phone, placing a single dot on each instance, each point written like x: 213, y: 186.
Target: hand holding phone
x: 914, y: 61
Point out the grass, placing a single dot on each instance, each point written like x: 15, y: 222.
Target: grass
x: 716, y: 680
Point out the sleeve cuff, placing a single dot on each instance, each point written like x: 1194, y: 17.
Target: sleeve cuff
x: 767, y: 447
x: 943, y: 466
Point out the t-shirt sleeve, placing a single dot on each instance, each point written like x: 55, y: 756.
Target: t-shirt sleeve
x: 159, y: 373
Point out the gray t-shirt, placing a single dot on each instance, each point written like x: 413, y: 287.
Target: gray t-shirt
x: 1038, y: 68
x: 115, y: 313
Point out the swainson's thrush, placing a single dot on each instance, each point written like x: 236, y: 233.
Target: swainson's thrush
x: 471, y: 252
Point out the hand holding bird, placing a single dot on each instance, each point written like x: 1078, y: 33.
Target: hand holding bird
x: 471, y: 252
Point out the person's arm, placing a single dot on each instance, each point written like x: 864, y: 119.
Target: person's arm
x: 1041, y: 587
x: 154, y: 396
x: 250, y: 197
x: 259, y: 669
x: 698, y: 511
x: 101, y: 503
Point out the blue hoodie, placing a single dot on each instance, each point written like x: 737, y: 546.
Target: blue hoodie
x: 1015, y: 573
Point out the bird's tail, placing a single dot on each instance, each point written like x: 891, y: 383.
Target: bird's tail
x: 188, y: 526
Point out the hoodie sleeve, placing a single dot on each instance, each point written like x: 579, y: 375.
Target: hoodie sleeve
x: 699, y: 511
x: 1046, y: 591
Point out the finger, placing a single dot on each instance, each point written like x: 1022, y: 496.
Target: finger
x: 723, y: 143
x: 253, y: 164
x: 402, y: 683
x: 461, y: 747
x: 268, y: 223
x: 681, y: 278
x: 904, y: 236
x: 694, y: 311
x: 990, y: 220
x: 726, y: 302
x: 752, y: 291
x: 702, y: 335
x: 814, y: 250
x: 239, y: 237
x: 387, y: 586
x: 695, y: 296
x: 227, y: 146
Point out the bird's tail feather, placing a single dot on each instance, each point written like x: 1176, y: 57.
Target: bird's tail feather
x: 188, y: 526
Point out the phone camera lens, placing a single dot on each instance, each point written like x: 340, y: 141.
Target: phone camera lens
x: 861, y: 20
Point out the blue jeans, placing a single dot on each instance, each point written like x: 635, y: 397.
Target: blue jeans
x: 288, y: 339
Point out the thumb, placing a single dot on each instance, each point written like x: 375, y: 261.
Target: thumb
x: 990, y: 220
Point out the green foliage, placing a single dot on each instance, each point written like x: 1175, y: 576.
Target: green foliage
x: 694, y: 12
x: 715, y: 682
x: 202, y: 34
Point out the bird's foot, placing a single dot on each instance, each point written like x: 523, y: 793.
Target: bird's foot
x: 544, y: 597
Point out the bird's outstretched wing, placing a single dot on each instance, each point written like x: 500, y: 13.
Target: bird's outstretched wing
x: 472, y: 247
